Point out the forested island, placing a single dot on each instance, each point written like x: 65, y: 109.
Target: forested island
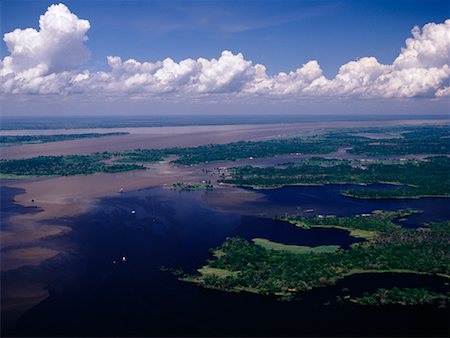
x: 418, y: 140
x: 192, y: 186
x: 239, y: 265
x: 364, y: 226
x: 413, y: 140
x: 400, y: 296
x: 416, y: 178
x: 63, y: 165
x: 9, y: 140
x: 231, y: 151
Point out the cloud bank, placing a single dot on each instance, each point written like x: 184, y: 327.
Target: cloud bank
x: 48, y: 61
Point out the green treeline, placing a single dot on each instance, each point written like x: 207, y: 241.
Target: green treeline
x: 283, y: 273
x: 401, y: 296
x: 256, y: 268
x: 232, y: 151
x: 417, y: 140
x: 421, y: 178
x: 440, y: 227
x: 237, y: 150
x: 192, y: 186
x: 334, y: 171
x: 26, y: 139
x: 378, y: 221
x: 63, y: 165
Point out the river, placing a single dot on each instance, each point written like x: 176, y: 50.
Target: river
x: 93, y: 293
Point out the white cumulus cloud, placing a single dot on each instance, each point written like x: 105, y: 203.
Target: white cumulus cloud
x: 427, y: 48
x: 58, y: 45
x: 49, y: 60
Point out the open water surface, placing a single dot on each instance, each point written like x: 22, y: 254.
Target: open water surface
x: 98, y: 295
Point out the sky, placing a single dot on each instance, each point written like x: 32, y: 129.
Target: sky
x: 227, y: 57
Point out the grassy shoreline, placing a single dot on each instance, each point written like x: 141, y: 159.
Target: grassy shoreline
x: 206, y: 271
x: 367, y: 226
x: 298, y: 249
x: 283, y: 270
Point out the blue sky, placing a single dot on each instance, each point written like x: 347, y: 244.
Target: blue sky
x: 281, y: 35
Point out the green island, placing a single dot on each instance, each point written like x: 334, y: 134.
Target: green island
x: 412, y: 176
x: 414, y: 140
x: 192, y: 186
x: 63, y: 165
x: 6, y: 140
x: 141, y: 155
x: 366, y: 226
x: 412, y: 173
x: 239, y: 265
x: 232, y: 151
x: 132, y: 160
x: 400, y: 296
x: 245, y: 149
x: 418, y: 140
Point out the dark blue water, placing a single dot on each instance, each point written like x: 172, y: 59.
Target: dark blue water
x: 95, y: 297
x: 8, y: 207
x: 327, y: 200
x: 175, y: 228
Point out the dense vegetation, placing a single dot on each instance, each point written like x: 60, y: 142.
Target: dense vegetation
x: 232, y: 151
x: 63, y: 165
x: 402, y: 296
x: 365, y: 225
x: 410, y: 173
x: 142, y: 155
x: 193, y: 186
x: 427, y: 177
x: 416, y: 140
x: 441, y: 227
x: 26, y: 139
x: 237, y: 150
x: 250, y: 267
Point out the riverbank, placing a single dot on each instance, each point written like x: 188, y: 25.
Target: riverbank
x: 185, y: 136
x: 30, y: 239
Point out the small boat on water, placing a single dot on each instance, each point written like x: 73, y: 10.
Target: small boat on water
x: 308, y: 210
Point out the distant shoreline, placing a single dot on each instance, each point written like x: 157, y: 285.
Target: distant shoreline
x: 176, y: 136
x: 31, y: 122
